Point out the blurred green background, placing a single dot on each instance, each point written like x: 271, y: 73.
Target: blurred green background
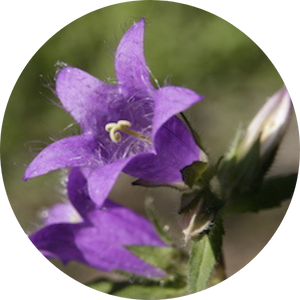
x: 184, y: 46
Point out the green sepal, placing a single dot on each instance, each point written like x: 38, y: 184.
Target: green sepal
x: 204, y: 257
x: 240, y: 175
x: 204, y: 154
x: 169, y: 259
x: 193, y: 173
x: 211, y: 202
x: 272, y: 193
x: 156, y: 223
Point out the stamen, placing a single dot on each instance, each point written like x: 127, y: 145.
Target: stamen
x: 123, y: 126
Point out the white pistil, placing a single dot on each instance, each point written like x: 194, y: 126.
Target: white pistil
x: 123, y: 126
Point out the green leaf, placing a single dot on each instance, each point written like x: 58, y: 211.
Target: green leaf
x: 142, y: 289
x: 102, y: 286
x: 204, y: 257
x: 272, y: 193
x: 167, y: 258
x: 180, y: 186
x: 192, y: 173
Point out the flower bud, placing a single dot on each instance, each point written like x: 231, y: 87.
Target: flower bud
x: 196, y: 221
x: 197, y: 213
x: 252, y: 154
x: 269, y: 125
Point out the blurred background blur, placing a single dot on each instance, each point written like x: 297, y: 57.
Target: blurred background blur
x: 184, y: 46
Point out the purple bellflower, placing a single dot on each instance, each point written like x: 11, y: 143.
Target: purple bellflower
x: 130, y: 127
x: 82, y: 232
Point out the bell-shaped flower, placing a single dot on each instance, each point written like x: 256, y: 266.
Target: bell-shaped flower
x: 80, y: 231
x: 130, y: 127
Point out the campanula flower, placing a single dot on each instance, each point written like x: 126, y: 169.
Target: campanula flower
x: 80, y: 231
x: 130, y: 127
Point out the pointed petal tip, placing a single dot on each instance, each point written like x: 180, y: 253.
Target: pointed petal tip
x: 140, y: 23
x: 31, y: 173
x: 28, y: 174
x: 136, y: 27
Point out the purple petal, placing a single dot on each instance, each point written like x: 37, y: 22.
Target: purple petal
x: 130, y: 65
x: 125, y: 225
x: 57, y: 241
x: 169, y: 101
x: 78, y: 193
x: 175, y: 149
x: 102, y: 180
x: 74, y: 151
x: 62, y: 213
x: 81, y: 95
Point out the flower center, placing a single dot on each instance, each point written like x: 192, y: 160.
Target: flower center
x: 123, y: 125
